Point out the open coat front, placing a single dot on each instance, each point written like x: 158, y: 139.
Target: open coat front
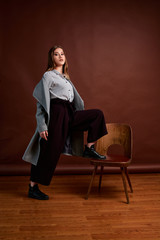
x: 42, y: 95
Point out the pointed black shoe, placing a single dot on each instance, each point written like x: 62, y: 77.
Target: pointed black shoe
x: 91, y: 153
x: 35, y: 193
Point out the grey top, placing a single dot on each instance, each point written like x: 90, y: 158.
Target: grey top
x: 61, y: 87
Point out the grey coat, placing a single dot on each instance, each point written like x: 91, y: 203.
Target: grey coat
x: 42, y: 95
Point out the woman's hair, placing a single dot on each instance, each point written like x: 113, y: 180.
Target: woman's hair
x: 51, y: 65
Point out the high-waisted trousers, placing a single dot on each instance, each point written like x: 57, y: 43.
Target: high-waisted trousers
x: 63, y: 120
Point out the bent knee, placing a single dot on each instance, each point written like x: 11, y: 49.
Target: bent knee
x: 99, y: 112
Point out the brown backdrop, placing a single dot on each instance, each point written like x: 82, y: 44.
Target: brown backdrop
x: 113, y: 53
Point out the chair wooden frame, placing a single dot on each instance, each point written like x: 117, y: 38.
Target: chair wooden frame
x: 120, y: 134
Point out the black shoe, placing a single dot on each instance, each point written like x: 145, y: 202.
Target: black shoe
x: 34, y: 192
x: 91, y: 153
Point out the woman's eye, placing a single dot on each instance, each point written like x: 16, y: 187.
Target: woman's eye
x: 56, y: 54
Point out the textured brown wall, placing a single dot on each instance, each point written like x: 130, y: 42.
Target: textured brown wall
x: 113, y: 52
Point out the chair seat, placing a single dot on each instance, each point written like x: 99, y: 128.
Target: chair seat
x: 112, y: 160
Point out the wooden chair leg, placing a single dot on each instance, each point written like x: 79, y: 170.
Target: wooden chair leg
x: 100, y: 178
x: 90, y: 185
x: 124, y: 183
x: 128, y: 178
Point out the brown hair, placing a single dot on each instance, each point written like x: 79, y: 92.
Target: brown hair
x: 51, y: 64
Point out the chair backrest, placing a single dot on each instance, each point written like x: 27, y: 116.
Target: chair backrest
x: 118, y: 133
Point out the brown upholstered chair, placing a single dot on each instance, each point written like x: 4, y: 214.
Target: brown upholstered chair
x: 120, y: 134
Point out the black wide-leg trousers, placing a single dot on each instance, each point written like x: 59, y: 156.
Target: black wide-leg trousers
x: 64, y: 119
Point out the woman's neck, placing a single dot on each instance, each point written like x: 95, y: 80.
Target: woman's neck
x: 59, y: 69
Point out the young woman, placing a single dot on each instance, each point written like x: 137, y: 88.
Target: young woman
x: 61, y: 120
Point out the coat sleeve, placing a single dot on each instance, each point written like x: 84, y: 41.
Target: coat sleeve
x: 41, y: 117
x: 42, y: 95
x: 78, y: 102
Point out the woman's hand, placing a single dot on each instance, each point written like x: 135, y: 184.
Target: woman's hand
x: 44, y: 135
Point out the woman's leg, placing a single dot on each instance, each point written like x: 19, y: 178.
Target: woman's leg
x: 92, y: 121
x: 51, y: 149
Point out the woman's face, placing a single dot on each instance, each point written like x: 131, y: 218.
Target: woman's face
x: 59, y: 57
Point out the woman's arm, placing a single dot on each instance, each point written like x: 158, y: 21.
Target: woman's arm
x: 41, y: 117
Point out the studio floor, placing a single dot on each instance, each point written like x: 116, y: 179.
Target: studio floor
x: 68, y: 216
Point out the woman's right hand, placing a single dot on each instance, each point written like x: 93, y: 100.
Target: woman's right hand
x: 44, y: 135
